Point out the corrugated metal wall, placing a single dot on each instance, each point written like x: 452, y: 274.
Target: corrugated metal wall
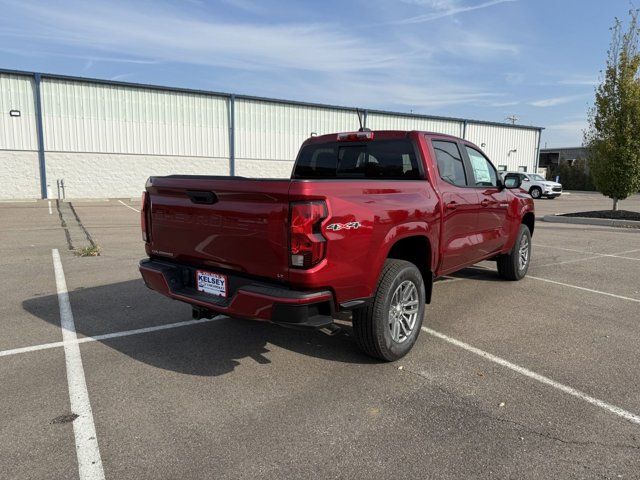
x: 86, y: 117
x: 499, y: 143
x: 106, y: 138
x: 17, y: 133
x: 274, y: 131
x: 377, y: 121
x: 19, y: 166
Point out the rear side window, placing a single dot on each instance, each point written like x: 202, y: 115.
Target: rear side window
x: 389, y: 159
x: 450, y: 164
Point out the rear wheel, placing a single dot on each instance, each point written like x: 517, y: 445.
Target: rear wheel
x: 535, y: 192
x: 514, y: 265
x: 388, y: 327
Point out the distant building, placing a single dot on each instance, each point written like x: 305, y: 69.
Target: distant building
x: 556, y: 156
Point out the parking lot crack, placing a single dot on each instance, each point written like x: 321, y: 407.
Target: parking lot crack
x: 580, y: 443
x: 64, y: 226
x: 521, y: 426
x: 78, y: 237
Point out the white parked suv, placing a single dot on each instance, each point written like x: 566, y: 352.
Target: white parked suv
x: 537, y: 186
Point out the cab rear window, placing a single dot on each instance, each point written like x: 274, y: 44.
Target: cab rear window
x: 382, y: 159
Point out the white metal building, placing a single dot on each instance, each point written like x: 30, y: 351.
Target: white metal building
x: 106, y: 138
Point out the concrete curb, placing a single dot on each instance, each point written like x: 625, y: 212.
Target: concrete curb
x: 84, y: 200
x: 607, y: 222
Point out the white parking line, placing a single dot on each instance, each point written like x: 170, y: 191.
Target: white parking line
x: 50, y: 211
x: 536, y: 376
x: 577, y: 260
x: 539, y: 245
x: 628, y: 251
x: 129, y: 206
x: 105, y: 336
x: 622, y: 297
x: 585, y: 289
x: 617, y: 255
x: 84, y: 430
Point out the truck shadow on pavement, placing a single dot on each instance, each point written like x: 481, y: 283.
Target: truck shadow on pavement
x: 208, y: 349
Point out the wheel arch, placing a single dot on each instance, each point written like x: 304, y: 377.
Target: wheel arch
x: 416, y: 249
x: 529, y: 219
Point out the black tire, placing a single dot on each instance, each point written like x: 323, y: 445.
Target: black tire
x: 372, y: 324
x: 509, y: 265
x: 535, y: 192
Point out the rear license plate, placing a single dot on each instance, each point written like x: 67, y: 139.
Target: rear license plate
x: 211, y: 283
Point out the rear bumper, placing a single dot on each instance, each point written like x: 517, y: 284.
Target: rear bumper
x: 246, y: 298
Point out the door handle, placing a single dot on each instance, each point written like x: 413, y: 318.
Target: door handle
x: 485, y: 202
x: 451, y: 205
x: 202, y: 197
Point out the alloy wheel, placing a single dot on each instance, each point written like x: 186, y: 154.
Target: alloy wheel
x: 403, y: 311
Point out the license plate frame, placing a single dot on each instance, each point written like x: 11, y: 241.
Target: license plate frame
x: 212, y: 283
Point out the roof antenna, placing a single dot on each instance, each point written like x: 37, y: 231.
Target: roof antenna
x: 361, y: 115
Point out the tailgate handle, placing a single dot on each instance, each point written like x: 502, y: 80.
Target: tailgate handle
x: 203, y: 197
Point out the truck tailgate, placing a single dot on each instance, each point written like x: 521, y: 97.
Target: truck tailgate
x: 234, y: 224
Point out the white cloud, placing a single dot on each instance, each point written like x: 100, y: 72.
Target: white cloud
x: 246, y: 5
x: 515, y: 78
x: 564, y: 134
x: 324, y: 62
x: 511, y: 103
x: 89, y: 58
x: 473, y: 45
x: 121, y: 76
x: 569, y: 126
x: 591, y: 80
x: 435, y: 4
x: 448, y: 9
x: 166, y: 35
x: 552, y: 102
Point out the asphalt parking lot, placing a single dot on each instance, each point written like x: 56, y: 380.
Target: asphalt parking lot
x: 532, y: 379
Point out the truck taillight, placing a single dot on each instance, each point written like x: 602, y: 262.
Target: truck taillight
x: 355, y: 136
x: 307, y: 243
x: 143, y: 217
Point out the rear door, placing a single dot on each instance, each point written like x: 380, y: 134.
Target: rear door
x: 493, y: 202
x: 460, y: 204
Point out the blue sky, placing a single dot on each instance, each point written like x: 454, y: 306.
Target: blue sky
x: 482, y: 59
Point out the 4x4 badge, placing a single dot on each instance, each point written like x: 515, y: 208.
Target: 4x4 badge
x: 343, y: 226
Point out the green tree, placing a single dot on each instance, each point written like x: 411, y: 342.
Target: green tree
x: 613, y: 134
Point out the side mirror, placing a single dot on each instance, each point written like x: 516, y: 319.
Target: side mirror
x: 512, y: 180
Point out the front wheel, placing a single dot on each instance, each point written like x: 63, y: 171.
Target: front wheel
x: 388, y: 327
x: 535, y: 192
x: 515, y: 264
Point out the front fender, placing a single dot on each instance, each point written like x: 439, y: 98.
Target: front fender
x: 520, y: 206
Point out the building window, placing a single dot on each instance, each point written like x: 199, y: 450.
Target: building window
x: 502, y: 168
x: 522, y: 168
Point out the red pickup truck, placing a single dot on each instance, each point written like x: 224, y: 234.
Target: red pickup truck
x: 366, y: 222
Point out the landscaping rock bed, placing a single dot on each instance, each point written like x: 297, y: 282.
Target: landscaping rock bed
x: 608, y: 214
